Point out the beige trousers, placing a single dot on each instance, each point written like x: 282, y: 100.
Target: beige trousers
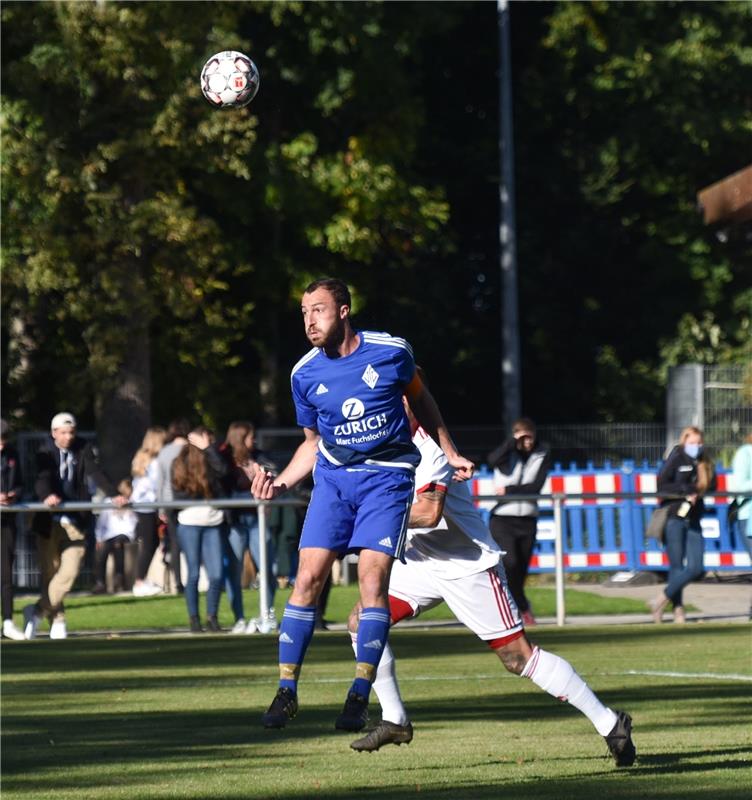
x: 60, y: 558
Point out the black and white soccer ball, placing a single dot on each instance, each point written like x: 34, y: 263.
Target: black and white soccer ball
x: 229, y: 79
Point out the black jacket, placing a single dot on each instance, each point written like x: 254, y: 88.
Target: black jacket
x: 88, y: 477
x: 678, y: 476
x: 10, y: 480
x: 505, y: 457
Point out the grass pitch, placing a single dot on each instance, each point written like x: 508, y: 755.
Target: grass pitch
x: 123, y: 612
x: 178, y: 717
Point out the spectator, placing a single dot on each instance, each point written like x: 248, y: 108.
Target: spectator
x: 197, y: 474
x: 242, y: 457
x: 175, y: 441
x: 741, y: 481
x: 686, y: 476
x: 11, y: 487
x: 286, y: 540
x: 520, y: 466
x: 115, y: 528
x: 66, y: 470
x: 145, y: 472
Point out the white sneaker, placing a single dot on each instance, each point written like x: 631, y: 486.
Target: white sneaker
x: 268, y: 624
x: 252, y: 626
x: 31, y: 621
x: 58, y: 629
x: 239, y: 627
x: 10, y: 631
x: 146, y: 589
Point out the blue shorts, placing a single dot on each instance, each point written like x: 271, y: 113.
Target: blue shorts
x: 358, y: 508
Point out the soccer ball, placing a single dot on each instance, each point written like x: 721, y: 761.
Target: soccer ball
x: 229, y: 80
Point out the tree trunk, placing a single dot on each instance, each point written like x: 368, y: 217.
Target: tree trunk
x: 124, y: 409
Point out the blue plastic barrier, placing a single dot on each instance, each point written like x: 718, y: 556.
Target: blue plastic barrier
x: 608, y: 533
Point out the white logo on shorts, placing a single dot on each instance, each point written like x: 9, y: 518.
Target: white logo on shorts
x: 370, y: 376
x: 353, y: 408
x: 386, y: 542
x: 375, y: 644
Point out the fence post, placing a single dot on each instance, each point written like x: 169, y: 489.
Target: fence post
x: 559, y: 560
x: 264, y: 577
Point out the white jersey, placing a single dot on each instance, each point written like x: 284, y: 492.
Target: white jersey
x: 461, y: 543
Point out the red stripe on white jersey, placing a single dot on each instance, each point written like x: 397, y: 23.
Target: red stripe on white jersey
x: 502, y: 603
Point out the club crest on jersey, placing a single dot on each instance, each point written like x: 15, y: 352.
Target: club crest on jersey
x: 353, y: 408
x: 370, y: 377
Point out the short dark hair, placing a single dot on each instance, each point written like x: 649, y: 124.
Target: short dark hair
x: 337, y: 288
x: 178, y: 428
x: 524, y: 424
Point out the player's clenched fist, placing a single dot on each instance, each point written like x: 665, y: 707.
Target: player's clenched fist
x: 463, y: 469
x: 263, y: 488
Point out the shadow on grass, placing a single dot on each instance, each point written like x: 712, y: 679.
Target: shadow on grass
x: 124, y: 653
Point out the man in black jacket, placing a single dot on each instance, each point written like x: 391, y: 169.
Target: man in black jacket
x: 11, y: 487
x: 67, y: 469
x: 520, y: 466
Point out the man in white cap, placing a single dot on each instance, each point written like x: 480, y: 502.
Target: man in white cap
x: 67, y: 469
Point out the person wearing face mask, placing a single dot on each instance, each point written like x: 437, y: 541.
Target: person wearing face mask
x: 687, y: 475
x: 520, y: 466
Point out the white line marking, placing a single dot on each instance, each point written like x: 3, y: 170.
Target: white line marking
x: 655, y: 673
x: 665, y: 674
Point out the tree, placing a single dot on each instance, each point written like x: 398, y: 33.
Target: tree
x: 146, y: 228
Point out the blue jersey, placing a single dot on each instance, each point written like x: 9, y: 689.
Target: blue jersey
x: 355, y: 402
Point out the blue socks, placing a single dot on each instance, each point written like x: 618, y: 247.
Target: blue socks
x: 295, y: 633
x: 373, y: 630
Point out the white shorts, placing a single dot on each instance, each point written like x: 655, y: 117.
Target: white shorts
x: 480, y: 601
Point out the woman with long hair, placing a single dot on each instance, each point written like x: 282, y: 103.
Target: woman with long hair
x: 242, y: 457
x: 687, y: 475
x: 145, y: 476
x: 197, y: 474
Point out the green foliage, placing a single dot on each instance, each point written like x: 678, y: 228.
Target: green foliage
x: 131, y: 207
x: 644, y: 104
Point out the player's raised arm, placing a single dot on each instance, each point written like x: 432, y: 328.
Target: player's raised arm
x: 426, y: 411
x: 266, y: 486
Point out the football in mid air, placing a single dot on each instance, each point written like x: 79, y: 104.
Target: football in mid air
x: 229, y: 80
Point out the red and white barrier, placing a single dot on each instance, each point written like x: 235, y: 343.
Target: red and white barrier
x: 711, y: 560
x: 605, y: 560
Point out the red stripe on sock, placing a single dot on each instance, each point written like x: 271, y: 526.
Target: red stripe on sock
x: 496, y: 644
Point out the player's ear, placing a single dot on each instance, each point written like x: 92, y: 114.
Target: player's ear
x: 344, y: 312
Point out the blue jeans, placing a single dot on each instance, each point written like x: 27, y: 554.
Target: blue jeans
x: 684, y: 547
x: 202, y: 543
x: 244, y: 535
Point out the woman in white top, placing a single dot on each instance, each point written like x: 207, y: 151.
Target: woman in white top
x: 145, y: 472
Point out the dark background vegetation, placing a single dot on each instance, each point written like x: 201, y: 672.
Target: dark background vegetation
x: 155, y: 248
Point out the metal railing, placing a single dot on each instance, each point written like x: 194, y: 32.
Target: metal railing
x: 558, y: 501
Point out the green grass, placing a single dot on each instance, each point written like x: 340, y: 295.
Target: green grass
x: 125, y: 612
x: 178, y: 717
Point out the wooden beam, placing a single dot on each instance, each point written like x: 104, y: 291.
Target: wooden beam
x: 728, y: 200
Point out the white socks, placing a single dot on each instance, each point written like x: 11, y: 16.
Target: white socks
x: 386, y: 687
x: 557, y: 677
